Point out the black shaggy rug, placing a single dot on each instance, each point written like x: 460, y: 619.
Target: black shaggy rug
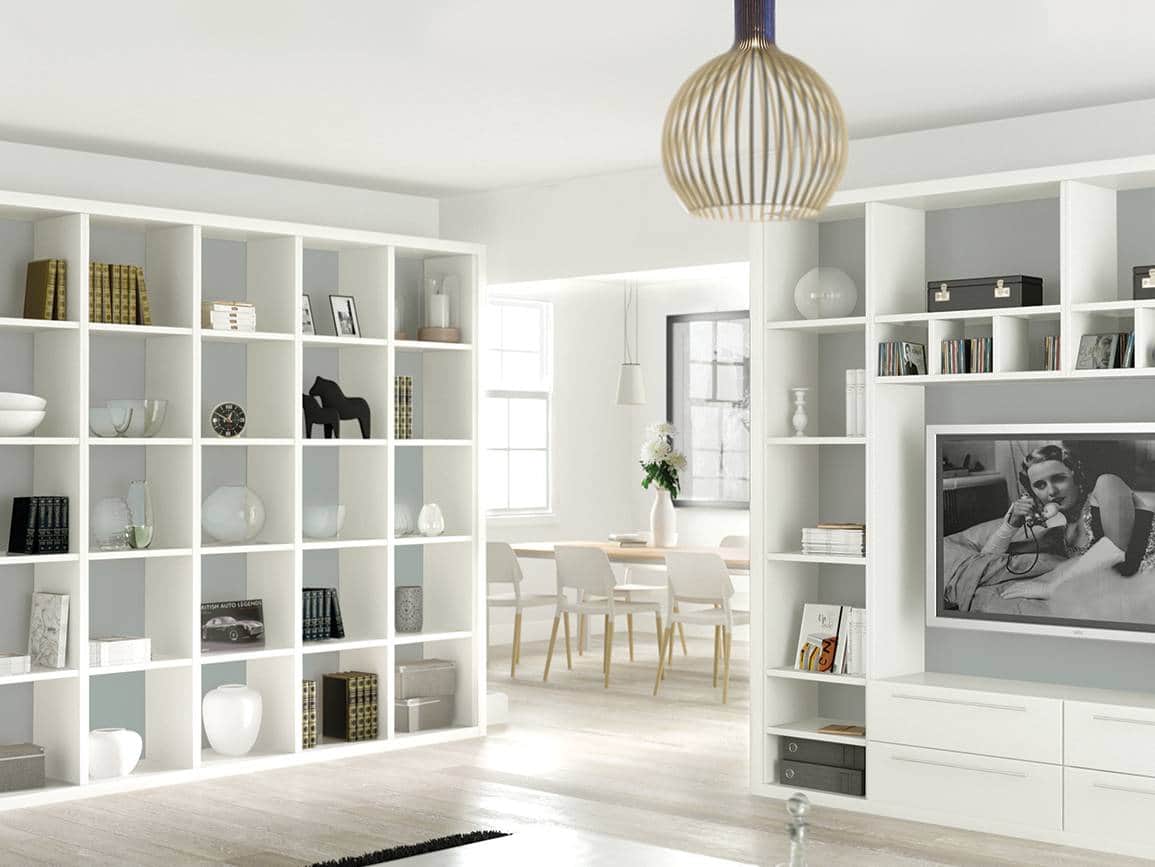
x: 382, y: 856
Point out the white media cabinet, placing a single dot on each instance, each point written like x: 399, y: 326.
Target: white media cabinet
x: 189, y: 257
x: 1054, y: 762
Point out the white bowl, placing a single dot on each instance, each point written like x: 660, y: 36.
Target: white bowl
x: 12, y: 400
x: 147, y: 415
x: 19, y: 422
x: 322, y: 522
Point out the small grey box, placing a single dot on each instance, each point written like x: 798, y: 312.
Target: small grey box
x: 824, y: 753
x: 821, y: 777
x: 425, y: 678
x: 421, y: 714
x: 21, y: 767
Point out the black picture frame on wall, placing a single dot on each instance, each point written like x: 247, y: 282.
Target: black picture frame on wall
x: 344, y: 309
x: 708, y: 403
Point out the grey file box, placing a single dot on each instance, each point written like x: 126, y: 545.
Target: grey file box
x: 823, y: 753
x: 425, y: 678
x: 822, y: 777
x: 420, y: 714
x: 21, y: 767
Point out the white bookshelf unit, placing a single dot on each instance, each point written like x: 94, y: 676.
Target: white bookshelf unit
x: 189, y: 258
x: 1080, y: 227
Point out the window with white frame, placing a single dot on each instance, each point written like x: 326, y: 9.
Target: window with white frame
x: 517, y: 377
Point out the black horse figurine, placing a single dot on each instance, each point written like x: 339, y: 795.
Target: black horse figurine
x: 329, y: 419
x: 334, y: 400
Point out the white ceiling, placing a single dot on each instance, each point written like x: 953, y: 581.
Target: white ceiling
x: 442, y: 96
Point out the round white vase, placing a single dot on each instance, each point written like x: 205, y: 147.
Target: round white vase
x: 232, y: 718
x: 663, y: 521
x: 233, y: 513
x: 112, y: 753
x: 430, y: 521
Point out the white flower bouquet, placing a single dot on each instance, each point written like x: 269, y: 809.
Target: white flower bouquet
x: 659, y: 460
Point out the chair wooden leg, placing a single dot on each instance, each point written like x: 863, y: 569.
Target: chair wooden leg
x: 552, y: 642
x: 568, y: 653
x: 682, y: 636
x: 663, y: 639
x: 516, y: 645
x: 630, y: 631
x: 658, y: 626
x: 609, y: 649
x: 726, y: 675
x: 717, y: 652
x: 581, y: 635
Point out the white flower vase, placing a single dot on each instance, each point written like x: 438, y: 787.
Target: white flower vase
x: 112, y: 753
x: 232, y: 718
x: 430, y: 522
x: 800, y: 418
x: 663, y: 521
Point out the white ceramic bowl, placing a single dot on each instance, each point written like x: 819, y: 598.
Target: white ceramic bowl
x: 12, y: 400
x: 322, y: 522
x: 19, y: 422
x: 147, y: 415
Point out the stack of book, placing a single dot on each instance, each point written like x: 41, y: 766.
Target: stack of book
x: 832, y: 639
x: 39, y: 525
x: 968, y: 355
x: 308, y: 714
x: 1051, y: 352
x: 322, y: 614
x: 15, y: 663
x: 833, y: 538
x: 229, y: 316
x: 46, y: 290
x: 901, y: 358
x: 118, y: 650
x: 117, y: 294
x: 350, y: 705
x: 403, y: 407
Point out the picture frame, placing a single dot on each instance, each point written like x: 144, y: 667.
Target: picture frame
x: 307, y: 326
x: 1097, y: 351
x: 345, y: 323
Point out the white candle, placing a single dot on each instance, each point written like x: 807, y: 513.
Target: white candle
x: 438, y: 311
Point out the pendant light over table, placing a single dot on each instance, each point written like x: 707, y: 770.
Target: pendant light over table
x: 755, y: 134
x: 631, y: 385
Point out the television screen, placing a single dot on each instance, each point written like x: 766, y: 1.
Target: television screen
x: 1044, y: 529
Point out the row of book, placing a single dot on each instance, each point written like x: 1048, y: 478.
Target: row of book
x: 117, y: 294
x: 349, y: 705
x: 968, y: 355
x: 322, y: 614
x: 46, y: 289
x: 39, y: 525
x: 308, y: 714
x: 856, y: 402
x: 119, y: 650
x: 835, y: 538
x: 831, y: 639
x: 403, y: 407
x: 1051, y: 352
x: 229, y: 316
x: 901, y: 358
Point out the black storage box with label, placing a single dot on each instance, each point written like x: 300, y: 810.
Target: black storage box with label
x: 21, y: 767
x: 981, y: 293
x: 825, y: 778
x: 1143, y: 282
x: 824, y: 753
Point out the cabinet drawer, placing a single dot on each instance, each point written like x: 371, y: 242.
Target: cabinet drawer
x: 1110, y: 738
x: 966, y: 786
x: 1102, y: 806
x: 988, y: 723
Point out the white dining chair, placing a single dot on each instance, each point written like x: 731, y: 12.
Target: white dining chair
x: 588, y: 574
x: 501, y: 567
x: 701, y: 579
x: 735, y: 542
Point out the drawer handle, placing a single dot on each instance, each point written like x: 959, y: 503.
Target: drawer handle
x: 1126, y: 789
x: 1000, y: 772
x: 981, y: 704
x: 1122, y: 719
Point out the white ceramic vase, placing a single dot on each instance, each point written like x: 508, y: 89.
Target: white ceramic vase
x: 430, y: 522
x: 232, y: 514
x: 663, y: 521
x: 800, y: 419
x: 232, y: 718
x: 322, y: 522
x: 112, y: 753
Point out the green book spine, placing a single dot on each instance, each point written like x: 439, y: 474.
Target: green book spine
x: 61, y: 289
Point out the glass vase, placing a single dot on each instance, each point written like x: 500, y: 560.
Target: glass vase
x: 142, y: 526
x: 110, y: 524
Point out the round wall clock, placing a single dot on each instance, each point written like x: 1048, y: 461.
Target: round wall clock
x: 228, y: 419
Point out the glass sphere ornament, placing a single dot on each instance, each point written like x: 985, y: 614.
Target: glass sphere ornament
x: 825, y: 293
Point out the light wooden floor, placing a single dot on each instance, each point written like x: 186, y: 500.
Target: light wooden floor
x: 670, y: 772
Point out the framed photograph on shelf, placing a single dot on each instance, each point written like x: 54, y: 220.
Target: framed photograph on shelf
x: 1097, y: 351
x: 307, y: 326
x: 708, y: 403
x: 345, y: 315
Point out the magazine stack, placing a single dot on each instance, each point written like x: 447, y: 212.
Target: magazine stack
x: 848, y: 540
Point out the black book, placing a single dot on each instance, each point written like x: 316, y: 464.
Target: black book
x: 336, y: 624
x: 45, y: 531
x: 66, y: 528
x: 23, y: 515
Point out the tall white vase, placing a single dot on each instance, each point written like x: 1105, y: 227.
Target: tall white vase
x: 232, y: 718
x: 663, y: 520
x: 112, y: 753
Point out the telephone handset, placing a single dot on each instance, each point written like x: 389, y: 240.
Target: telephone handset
x: 1053, y: 516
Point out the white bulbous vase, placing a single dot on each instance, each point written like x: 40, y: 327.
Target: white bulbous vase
x: 825, y: 293
x: 663, y: 521
x: 233, y: 514
x: 232, y: 718
x: 430, y: 521
x: 112, y: 753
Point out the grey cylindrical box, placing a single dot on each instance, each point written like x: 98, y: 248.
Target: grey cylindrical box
x: 21, y: 767
x: 425, y: 678
x: 421, y: 714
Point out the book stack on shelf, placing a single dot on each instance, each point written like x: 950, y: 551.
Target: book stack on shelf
x: 308, y: 714
x: 39, y: 525
x: 350, y: 705
x: 46, y: 290
x: 117, y: 294
x: 403, y: 407
x: 848, y: 540
x: 229, y: 316
x: 832, y: 639
x: 1051, y: 352
x: 901, y: 358
x: 322, y: 614
x: 1106, y: 351
x: 14, y: 663
x: 968, y: 355
x: 119, y: 650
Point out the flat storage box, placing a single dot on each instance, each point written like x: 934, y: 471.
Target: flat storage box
x: 824, y: 778
x: 824, y: 753
x: 1143, y: 282
x: 21, y: 767
x: 980, y: 293
x: 425, y: 678
x: 422, y: 714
